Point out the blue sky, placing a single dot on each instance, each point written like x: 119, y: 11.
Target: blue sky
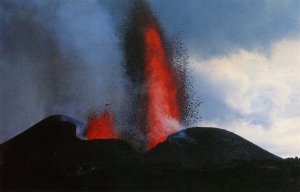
x: 243, y: 56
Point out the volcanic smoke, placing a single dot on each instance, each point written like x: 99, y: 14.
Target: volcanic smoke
x: 156, y: 109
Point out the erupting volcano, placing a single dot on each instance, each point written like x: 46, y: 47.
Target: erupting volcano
x: 135, y: 142
x: 163, y: 108
x: 157, y: 86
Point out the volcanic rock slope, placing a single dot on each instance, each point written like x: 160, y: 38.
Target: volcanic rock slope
x: 49, y: 156
x: 201, y: 148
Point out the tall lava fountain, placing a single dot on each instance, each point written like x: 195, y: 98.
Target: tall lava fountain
x: 158, y: 85
x: 161, y: 88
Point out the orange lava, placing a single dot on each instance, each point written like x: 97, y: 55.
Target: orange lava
x: 163, y: 108
x: 101, y: 127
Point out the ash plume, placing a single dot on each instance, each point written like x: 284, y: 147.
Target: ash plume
x: 58, y: 57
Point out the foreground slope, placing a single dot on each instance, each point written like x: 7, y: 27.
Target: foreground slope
x: 49, y: 156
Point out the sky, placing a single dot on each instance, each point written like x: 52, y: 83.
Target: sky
x: 243, y: 58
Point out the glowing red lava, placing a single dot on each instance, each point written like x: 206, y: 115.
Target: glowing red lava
x: 101, y: 127
x: 163, y: 109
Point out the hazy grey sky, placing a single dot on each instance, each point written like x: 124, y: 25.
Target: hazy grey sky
x: 244, y: 56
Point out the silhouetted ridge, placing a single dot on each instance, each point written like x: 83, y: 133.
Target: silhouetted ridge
x: 202, y: 146
x: 49, y: 154
x: 50, y: 130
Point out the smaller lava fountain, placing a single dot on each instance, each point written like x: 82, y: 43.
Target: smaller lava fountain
x: 101, y: 127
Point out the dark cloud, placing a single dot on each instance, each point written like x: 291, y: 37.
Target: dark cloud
x: 211, y: 28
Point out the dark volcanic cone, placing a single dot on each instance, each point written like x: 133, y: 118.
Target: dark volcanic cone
x: 49, y: 156
x: 202, y: 148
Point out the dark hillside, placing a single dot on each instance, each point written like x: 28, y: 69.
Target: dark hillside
x: 49, y: 156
